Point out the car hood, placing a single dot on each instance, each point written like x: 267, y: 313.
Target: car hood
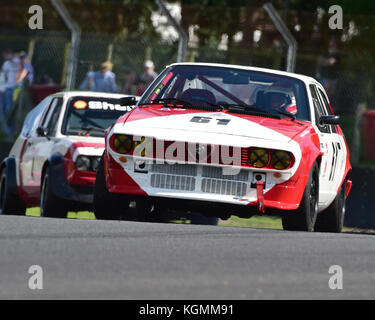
x: 203, y: 124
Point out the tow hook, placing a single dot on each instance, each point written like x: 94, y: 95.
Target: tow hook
x: 260, y: 196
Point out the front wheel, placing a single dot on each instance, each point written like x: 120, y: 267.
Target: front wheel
x: 108, y: 206
x: 9, y: 203
x: 50, y: 205
x: 303, y: 219
x: 332, y: 219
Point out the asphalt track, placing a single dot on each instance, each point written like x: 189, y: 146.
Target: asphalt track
x: 90, y: 259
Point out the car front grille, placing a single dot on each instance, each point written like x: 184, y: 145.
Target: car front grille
x: 175, y: 169
x: 225, y: 187
x: 206, y: 179
x: 173, y: 182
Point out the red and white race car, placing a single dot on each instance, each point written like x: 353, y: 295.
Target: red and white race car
x: 225, y: 139
x: 53, y: 162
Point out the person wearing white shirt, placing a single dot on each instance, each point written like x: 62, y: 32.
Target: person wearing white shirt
x: 100, y: 81
x: 9, y: 70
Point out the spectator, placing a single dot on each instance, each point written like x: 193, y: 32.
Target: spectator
x: 9, y: 69
x: 100, y: 81
x: 147, y: 77
x: 26, y: 69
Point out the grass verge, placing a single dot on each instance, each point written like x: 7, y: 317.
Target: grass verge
x: 255, y: 222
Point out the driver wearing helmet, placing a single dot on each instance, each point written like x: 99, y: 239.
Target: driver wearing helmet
x: 280, y: 97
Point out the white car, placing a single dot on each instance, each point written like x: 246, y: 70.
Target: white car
x: 227, y: 139
x: 53, y: 162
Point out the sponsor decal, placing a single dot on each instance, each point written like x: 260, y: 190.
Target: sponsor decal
x: 99, y: 105
x: 80, y: 104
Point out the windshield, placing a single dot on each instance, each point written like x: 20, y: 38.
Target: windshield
x: 230, y: 88
x: 90, y: 116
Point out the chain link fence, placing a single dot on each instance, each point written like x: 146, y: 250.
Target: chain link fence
x: 49, y: 54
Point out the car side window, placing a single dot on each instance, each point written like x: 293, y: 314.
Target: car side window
x: 327, y: 107
x: 52, y: 125
x: 32, y: 119
x: 51, y: 116
x: 47, y: 114
x: 318, y: 109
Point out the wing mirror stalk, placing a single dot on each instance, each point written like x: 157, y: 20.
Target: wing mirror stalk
x: 128, y: 101
x: 329, y: 119
x: 42, y: 132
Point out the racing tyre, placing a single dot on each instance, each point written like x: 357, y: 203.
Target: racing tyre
x: 9, y: 203
x: 50, y: 205
x: 108, y: 206
x: 332, y: 219
x: 303, y: 219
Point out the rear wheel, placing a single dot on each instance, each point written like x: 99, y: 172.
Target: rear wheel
x: 108, y: 206
x: 332, y: 219
x: 9, y: 203
x: 303, y: 219
x: 50, y: 205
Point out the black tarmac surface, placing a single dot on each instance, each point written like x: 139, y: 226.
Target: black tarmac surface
x: 90, y: 259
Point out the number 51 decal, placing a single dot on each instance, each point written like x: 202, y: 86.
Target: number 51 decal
x: 222, y: 122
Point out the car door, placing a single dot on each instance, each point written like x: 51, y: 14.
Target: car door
x: 339, y: 147
x: 43, y: 143
x: 26, y: 155
x: 331, y: 148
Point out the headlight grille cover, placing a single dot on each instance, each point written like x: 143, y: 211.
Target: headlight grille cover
x: 85, y: 163
x: 123, y: 143
x: 280, y: 159
x: 259, y: 157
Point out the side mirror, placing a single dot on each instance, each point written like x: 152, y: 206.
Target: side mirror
x: 41, y: 132
x: 330, y: 120
x: 127, y: 101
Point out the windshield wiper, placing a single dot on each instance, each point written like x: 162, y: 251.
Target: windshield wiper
x: 248, y: 109
x: 88, y: 129
x: 186, y: 104
x: 170, y: 100
x: 91, y: 128
x: 244, y: 106
x: 287, y: 114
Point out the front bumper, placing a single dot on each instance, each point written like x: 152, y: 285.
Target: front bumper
x: 206, y: 185
x: 78, y: 193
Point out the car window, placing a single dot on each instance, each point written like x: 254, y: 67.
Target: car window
x: 51, y: 126
x: 48, y: 114
x: 327, y: 107
x: 319, y: 109
x: 33, y: 118
x: 91, y: 115
x: 211, y: 85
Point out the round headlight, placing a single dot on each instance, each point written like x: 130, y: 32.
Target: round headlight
x: 83, y: 163
x: 95, y: 163
x: 122, y: 143
x: 280, y: 159
x: 259, y: 157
